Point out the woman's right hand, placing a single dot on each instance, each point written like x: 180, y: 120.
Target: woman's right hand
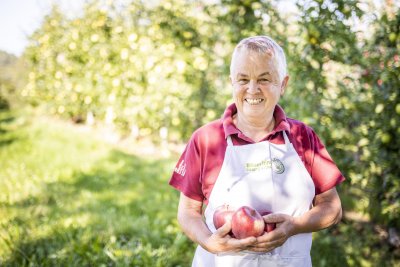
x: 221, y: 241
x: 191, y: 220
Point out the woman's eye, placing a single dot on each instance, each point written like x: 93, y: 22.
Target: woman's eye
x: 263, y: 80
x: 243, y: 81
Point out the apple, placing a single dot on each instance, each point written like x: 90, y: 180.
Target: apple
x: 221, y: 215
x: 247, y: 222
x: 268, y: 226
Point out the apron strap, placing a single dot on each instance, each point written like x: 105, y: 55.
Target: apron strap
x: 287, y: 141
x: 229, y: 140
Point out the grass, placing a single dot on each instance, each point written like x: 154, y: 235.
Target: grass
x: 68, y: 199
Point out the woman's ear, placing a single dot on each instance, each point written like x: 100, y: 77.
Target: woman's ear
x: 284, y: 84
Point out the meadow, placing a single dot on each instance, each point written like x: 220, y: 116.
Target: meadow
x: 70, y: 200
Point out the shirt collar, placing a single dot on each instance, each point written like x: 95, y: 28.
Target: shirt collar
x: 230, y: 128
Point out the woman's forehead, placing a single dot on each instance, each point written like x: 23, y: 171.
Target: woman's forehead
x: 252, y: 62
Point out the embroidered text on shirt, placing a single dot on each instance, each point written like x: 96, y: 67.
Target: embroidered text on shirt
x: 181, y: 169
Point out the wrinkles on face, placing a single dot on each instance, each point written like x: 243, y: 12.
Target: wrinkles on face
x: 255, y: 66
x: 256, y: 84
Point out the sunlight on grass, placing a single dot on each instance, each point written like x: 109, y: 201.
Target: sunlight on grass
x: 69, y: 199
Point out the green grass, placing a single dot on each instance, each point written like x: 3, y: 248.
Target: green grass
x: 68, y: 199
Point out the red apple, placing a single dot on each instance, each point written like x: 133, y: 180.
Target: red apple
x: 221, y: 215
x: 268, y: 226
x: 247, y: 222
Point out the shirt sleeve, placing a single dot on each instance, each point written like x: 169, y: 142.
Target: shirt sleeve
x: 324, y: 171
x: 187, y: 172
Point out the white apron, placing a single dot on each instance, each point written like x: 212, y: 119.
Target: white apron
x: 266, y: 177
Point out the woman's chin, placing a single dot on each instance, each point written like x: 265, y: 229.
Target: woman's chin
x: 254, y: 110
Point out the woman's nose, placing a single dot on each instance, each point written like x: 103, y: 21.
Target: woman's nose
x: 253, y: 86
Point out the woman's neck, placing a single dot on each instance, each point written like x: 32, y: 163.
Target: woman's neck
x: 256, y: 130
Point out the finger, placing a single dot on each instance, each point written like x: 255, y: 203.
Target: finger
x: 224, y: 229
x: 247, y: 241
x: 268, y: 246
x: 243, y: 243
x: 273, y: 243
x: 255, y: 249
x: 274, y: 218
x: 263, y: 249
x: 269, y: 236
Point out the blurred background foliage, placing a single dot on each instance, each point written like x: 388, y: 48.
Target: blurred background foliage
x: 159, y: 69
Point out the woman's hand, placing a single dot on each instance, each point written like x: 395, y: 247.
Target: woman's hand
x: 192, y: 223
x: 221, y: 241
x: 284, y: 229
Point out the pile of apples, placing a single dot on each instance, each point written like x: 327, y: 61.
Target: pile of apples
x: 245, y: 221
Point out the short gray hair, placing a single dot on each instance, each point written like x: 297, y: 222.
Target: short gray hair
x: 263, y: 44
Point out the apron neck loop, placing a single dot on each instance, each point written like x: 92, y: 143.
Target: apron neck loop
x: 229, y: 140
x: 287, y: 141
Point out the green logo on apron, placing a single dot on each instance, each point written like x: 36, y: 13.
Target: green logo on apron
x: 276, y: 165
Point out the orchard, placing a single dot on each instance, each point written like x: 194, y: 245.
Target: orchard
x: 158, y: 70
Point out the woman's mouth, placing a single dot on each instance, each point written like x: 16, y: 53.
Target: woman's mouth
x: 254, y: 101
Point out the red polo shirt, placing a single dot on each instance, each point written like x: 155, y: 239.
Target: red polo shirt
x: 199, y: 165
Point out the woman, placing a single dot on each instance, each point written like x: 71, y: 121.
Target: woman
x: 256, y: 156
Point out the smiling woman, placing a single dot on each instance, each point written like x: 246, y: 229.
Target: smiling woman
x: 256, y: 156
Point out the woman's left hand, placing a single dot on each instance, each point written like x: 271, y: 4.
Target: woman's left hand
x: 284, y: 229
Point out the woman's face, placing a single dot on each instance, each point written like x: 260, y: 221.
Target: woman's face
x: 256, y: 84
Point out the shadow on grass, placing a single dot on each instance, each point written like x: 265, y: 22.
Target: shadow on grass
x: 61, y: 248
x: 327, y: 250
x: 6, y: 119
x: 352, y: 243
x: 121, y: 212
x: 7, y: 142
